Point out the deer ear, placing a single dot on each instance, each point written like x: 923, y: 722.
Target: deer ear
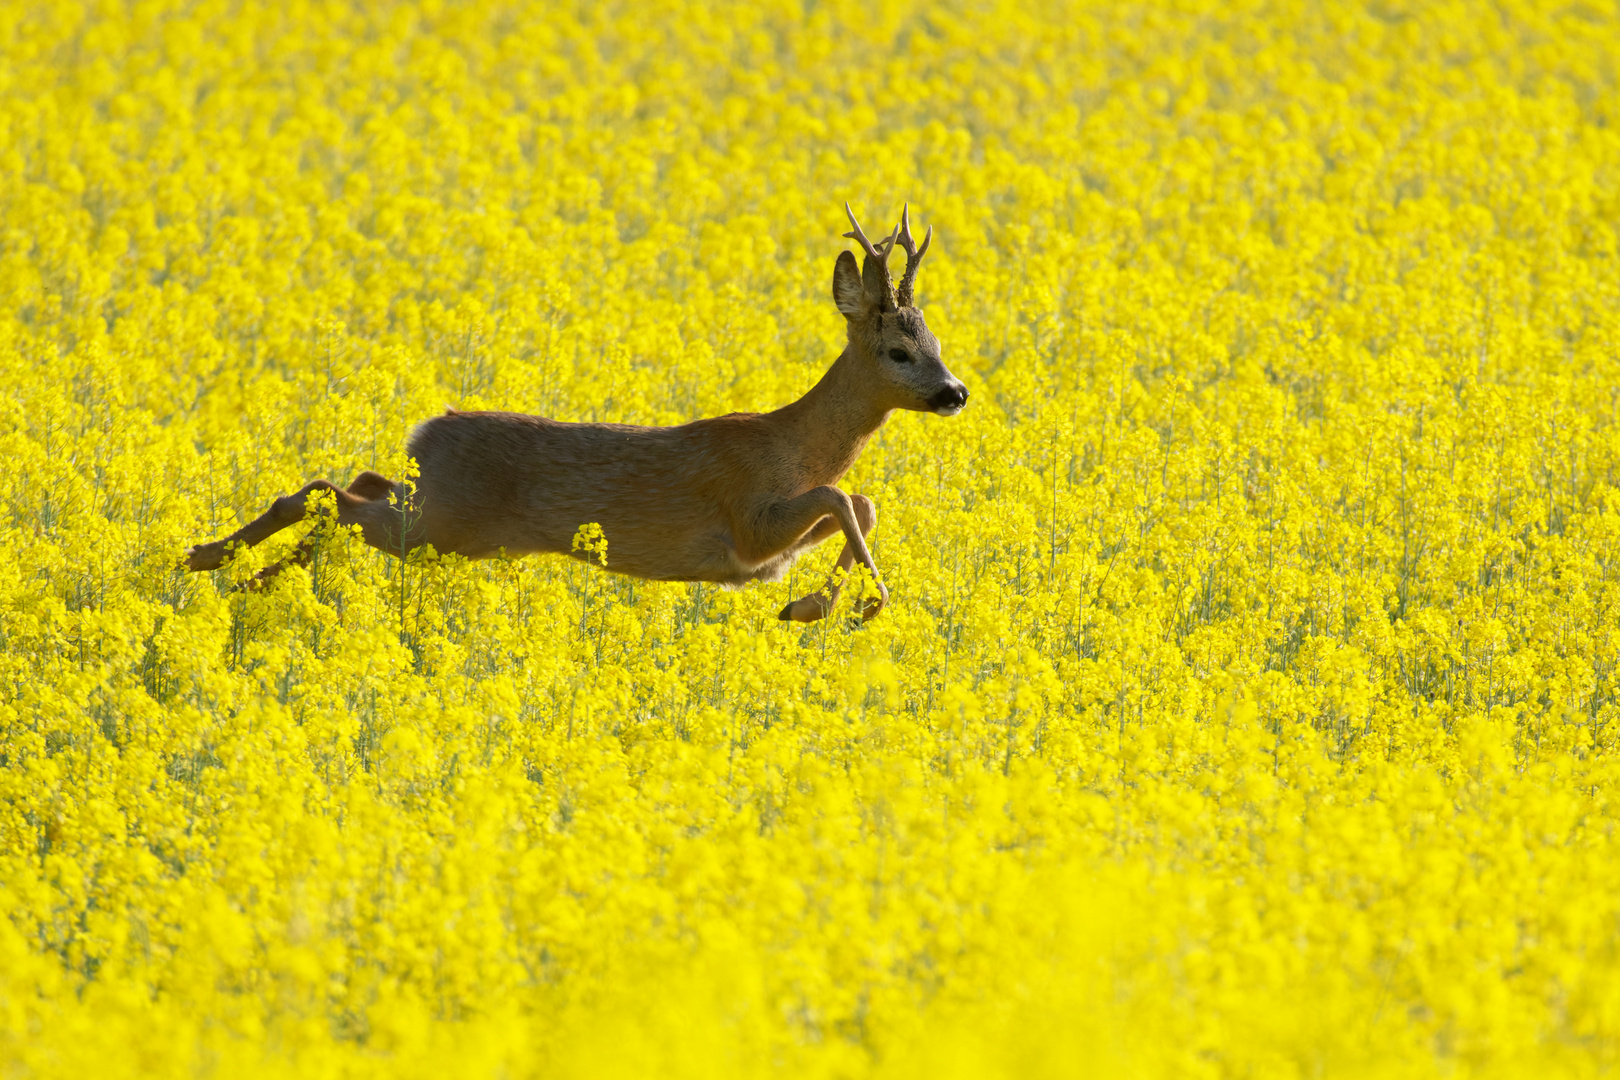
x: 848, y: 292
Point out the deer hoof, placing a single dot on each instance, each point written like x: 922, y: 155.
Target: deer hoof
x: 805, y: 609
x: 875, y: 604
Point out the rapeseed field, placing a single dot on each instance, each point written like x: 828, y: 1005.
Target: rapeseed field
x: 1246, y: 700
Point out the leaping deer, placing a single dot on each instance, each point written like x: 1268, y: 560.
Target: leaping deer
x: 729, y: 499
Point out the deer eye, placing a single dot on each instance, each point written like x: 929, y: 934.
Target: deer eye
x: 900, y: 356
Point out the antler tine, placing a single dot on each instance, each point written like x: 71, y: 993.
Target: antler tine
x: 914, y: 255
x: 860, y: 237
x: 903, y: 234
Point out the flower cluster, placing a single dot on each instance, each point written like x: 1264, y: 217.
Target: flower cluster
x: 1248, y: 698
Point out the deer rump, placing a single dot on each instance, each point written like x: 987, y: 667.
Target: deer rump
x: 665, y: 497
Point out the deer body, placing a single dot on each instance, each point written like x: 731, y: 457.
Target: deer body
x: 673, y: 501
x: 729, y: 499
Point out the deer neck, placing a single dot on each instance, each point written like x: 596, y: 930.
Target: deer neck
x: 833, y: 422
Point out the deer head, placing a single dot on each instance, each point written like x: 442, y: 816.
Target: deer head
x: 887, y: 335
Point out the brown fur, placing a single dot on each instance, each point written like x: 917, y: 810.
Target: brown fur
x: 730, y: 499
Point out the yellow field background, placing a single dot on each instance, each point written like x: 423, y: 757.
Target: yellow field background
x: 1246, y: 705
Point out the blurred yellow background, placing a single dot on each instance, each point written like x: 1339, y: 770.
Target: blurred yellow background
x: 1246, y: 701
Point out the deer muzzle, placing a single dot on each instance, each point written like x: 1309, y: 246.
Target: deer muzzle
x: 949, y: 400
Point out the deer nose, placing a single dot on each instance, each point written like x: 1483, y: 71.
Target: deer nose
x: 949, y: 400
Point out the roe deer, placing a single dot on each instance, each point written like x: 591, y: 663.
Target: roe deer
x: 731, y: 499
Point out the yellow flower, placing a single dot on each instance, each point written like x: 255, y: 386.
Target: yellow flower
x: 1245, y: 703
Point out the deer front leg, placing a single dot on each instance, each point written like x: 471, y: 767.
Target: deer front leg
x: 780, y: 524
x: 819, y: 604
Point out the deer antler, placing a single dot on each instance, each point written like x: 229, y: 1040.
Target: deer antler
x: 875, y: 269
x: 859, y: 237
x: 914, y: 255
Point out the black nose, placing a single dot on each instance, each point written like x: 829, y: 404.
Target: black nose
x: 951, y: 397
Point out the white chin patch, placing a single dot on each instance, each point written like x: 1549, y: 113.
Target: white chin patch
x: 948, y: 410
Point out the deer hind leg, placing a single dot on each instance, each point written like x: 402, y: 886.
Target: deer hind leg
x: 381, y: 523
x: 370, y: 485
x: 364, y: 503
x: 819, y: 604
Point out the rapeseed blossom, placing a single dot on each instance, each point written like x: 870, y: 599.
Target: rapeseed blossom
x: 1245, y: 703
